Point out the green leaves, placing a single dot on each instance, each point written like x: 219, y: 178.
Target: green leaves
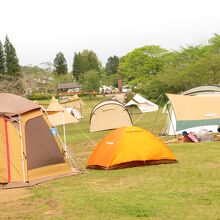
x: 112, y: 65
x: 84, y: 62
x: 11, y: 61
x: 142, y: 63
x: 2, y: 59
x: 155, y: 70
x: 60, y: 66
x: 90, y: 81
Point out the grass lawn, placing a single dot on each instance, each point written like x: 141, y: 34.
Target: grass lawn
x: 189, y: 189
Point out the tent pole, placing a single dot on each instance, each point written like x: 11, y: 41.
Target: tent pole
x: 156, y: 118
x: 80, y: 106
x: 171, y: 122
x: 138, y: 118
x: 22, y: 148
x: 64, y: 135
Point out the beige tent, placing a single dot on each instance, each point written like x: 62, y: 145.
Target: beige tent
x: 109, y: 114
x: 29, y: 153
x: 58, y: 115
x: 192, y: 112
x: 73, y: 102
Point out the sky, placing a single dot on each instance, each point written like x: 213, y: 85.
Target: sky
x: 39, y: 29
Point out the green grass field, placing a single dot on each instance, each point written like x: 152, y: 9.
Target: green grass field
x: 189, y: 189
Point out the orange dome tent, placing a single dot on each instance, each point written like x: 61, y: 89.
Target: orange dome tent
x: 127, y: 147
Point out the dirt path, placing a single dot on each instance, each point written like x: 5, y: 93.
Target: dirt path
x: 10, y: 195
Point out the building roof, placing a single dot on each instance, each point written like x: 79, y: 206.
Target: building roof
x: 72, y: 85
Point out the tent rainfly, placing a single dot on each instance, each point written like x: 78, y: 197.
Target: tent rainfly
x: 109, y: 114
x: 192, y: 113
x: 29, y: 153
x: 127, y: 147
x: 203, y: 91
x: 143, y: 104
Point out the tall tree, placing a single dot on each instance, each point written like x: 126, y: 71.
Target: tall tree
x: 142, y: 63
x: 2, y: 59
x: 93, y: 63
x: 77, y: 65
x: 11, y: 61
x: 215, y: 43
x: 60, y: 66
x: 90, y: 81
x: 112, y: 65
x: 84, y: 62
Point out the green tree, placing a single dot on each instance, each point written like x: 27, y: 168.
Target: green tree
x: 2, y: 59
x: 84, y: 62
x: 11, y: 61
x: 189, y: 54
x: 112, y: 65
x: 142, y: 63
x: 215, y: 41
x: 90, y: 81
x: 175, y: 79
x: 76, y: 66
x: 60, y: 66
x: 93, y: 62
x: 12, y: 84
x: 206, y: 71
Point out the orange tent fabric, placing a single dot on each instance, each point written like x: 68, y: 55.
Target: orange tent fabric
x: 129, y: 146
x: 29, y: 152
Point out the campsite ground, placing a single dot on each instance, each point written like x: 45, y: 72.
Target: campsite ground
x: 188, y: 189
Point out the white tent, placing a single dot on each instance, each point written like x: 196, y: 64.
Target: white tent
x: 143, y: 104
x: 75, y: 113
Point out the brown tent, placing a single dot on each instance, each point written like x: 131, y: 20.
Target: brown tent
x: 109, y: 114
x: 29, y: 153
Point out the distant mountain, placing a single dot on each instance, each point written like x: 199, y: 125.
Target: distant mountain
x: 31, y: 69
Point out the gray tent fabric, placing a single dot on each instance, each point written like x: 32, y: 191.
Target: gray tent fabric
x: 42, y: 149
x: 14, y: 105
x: 202, y: 90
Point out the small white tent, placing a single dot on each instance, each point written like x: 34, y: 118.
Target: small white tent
x: 143, y: 104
